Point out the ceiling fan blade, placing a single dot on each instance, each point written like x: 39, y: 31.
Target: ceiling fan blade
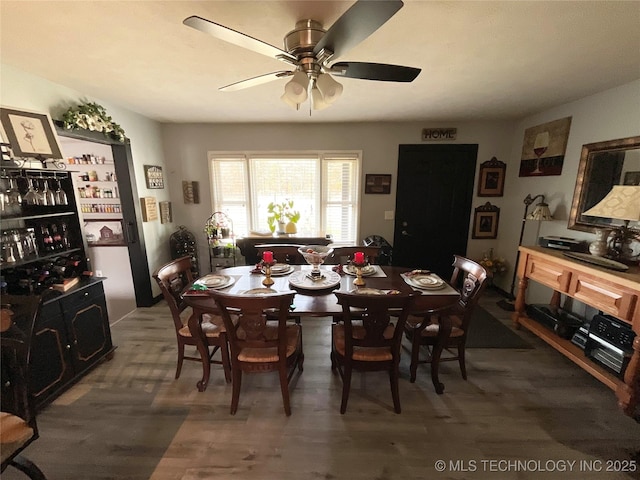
x: 252, y: 82
x: 362, y: 19
x: 375, y: 71
x: 237, y: 38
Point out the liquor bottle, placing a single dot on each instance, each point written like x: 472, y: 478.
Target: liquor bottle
x: 57, y: 238
x: 47, y: 240
x: 66, y: 243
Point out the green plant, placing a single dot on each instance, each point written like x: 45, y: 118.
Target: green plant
x: 278, y: 212
x: 92, y: 116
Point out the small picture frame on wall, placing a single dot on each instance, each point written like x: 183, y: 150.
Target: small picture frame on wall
x: 153, y: 176
x: 190, y: 192
x: 30, y: 134
x: 491, y: 178
x: 149, y: 209
x: 165, y: 212
x: 485, y: 221
x: 104, y: 233
x: 377, y: 183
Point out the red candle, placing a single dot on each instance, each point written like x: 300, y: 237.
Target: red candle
x: 267, y: 256
x: 358, y: 257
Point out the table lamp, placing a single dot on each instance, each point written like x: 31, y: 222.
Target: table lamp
x: 621, y: 203
x: 541, y: 212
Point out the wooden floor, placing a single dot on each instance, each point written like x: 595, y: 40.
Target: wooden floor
x: 522, y: 414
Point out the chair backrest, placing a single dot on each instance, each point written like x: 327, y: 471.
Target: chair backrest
x: 282, y: 252
x: 343, y: 255
x: 470, y: 279
x: 248, y: 319
x: 375, y: 313
x: 173, y: 278
x: 19, y: 314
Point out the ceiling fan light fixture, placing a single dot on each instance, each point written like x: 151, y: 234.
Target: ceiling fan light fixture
x: 288, y: 101
x: 329, y: 88
x: 317, y: 100
x: 296, y: 89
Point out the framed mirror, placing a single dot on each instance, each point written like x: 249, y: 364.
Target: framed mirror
x: 603, y: 165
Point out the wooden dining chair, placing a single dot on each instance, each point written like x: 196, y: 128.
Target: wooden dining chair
x: 342, y: 255
x: 367, y: 339
x: 257, y: 343
x: 18, y: 425
x: 282, y: 252
x: 423, y: 328
x: 173, y: 278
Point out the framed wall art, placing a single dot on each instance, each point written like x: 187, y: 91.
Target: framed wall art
x: 104, y: 233
x: 190, y: 192
x: 544, y: 147
x: 165, y: 212
x: 631, y: 178
x: 153, y: 176
x: 30, y: 134
x: 491, y: 178
x: 485, y: 221
x: 149, y: 209
x: 375, y: 183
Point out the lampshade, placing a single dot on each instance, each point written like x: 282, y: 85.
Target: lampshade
x: 329, y: 88
x: 621, y: 203
x: 318, y: 101
x: 541, y: 212
x: 295, y: 91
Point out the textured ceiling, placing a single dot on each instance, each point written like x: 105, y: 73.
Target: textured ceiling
x: 479, y: 60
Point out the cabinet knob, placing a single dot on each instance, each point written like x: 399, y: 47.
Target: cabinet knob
x: 68, y: 347
x: 86, y: 294
x: 7, y: 384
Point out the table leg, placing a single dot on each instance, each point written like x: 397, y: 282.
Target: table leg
x: 443, y: 336
x: 195, y: 328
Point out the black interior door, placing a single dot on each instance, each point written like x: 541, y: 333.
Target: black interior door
x: 433, y: 205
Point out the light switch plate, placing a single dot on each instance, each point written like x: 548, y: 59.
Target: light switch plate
x: 388, y: 215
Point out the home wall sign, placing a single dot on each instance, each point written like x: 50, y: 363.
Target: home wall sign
x: 429, y: 134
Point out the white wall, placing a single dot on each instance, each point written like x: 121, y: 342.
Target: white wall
x: 24, y: 91
x: 186, y: 147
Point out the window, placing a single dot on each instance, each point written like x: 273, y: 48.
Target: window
x: 323, y: 185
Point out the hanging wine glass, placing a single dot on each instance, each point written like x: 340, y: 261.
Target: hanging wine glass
x: 13, y: 204
x: 31, y: 197
x: 48, y: 196
x: 61, y: 196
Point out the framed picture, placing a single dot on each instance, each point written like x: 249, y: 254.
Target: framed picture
x: 153, y: 176
x: 543, y: 148
x: 165, y: 212
x: 631, y: 178
x: 485, y: 221
x: 491, y: 178
x: 30, y: 134
x: 149, y: 209
x: 377, y: 183
x: 104, y: 233
x: 190, y: 192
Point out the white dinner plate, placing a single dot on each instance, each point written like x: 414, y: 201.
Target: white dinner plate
x: 280, y: 269
x: 300, y: 279
x: 260, y: 291
x: 366, y: 270
x: 368, y: 291
x: 216, y: 281
x: 427, y: 282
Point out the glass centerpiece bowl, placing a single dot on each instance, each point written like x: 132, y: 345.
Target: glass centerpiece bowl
x: 315, y: 256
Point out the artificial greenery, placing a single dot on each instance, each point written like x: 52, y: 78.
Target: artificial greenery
x: 278, y: 212
x: 92, y: 116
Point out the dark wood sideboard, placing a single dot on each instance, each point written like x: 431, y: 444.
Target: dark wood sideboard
x: 247, y: 245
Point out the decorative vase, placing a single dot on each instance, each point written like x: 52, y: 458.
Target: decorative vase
x: 599, y: 247
x: 291, y: 228
x: 281, y: 227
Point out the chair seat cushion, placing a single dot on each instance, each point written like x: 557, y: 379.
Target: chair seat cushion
x: 270, y: 354
x: 212, y: 326
x: 365, y: 354
x: 432, y: 329
x: 14, y: 433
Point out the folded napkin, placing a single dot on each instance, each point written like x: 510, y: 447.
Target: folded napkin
x: 417, y: 272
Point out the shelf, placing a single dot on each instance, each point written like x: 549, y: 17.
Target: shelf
x: 27, y: 261
x: 100, y: 200
x: 571, y: 351
x: 35, y: 217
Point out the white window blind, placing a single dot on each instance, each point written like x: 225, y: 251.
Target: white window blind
x: 323, y: 185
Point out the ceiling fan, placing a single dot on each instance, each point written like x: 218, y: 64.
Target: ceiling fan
x: 308, y: 48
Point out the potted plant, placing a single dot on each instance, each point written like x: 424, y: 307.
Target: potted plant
x: 283, y: 215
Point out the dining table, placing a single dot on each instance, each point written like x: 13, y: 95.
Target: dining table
x: 316, y: 298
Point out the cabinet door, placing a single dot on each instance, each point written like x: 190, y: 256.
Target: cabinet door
x: 50, y: 359
x: 85, y: 314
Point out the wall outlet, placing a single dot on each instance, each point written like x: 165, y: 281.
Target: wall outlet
x: 388, y: 215
x: 98, y: 273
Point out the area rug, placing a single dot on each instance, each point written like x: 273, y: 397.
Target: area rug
x: 486, y: 331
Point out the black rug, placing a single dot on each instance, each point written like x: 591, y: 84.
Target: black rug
x: 486, y: 331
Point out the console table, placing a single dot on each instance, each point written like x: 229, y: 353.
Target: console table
x: 247, y: 245
x: 614, y: 293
